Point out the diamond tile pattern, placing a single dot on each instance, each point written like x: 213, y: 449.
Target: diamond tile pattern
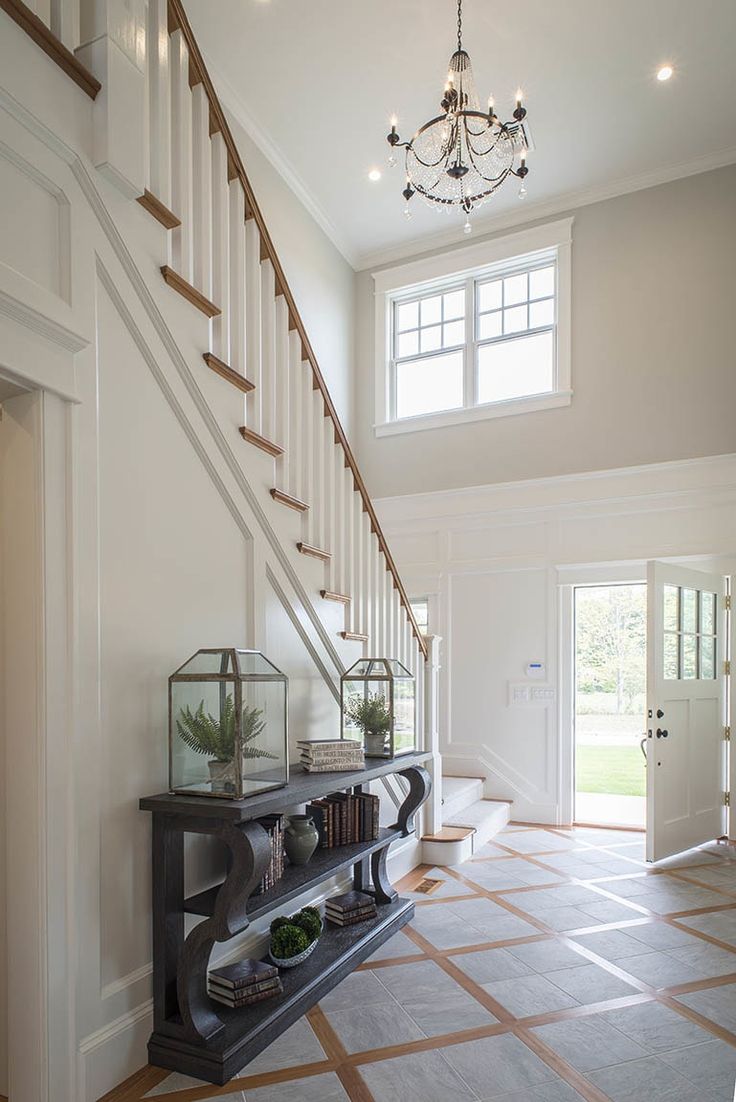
x: 547, y: 969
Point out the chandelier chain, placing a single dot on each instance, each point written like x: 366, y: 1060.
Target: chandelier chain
x: 459, y: 24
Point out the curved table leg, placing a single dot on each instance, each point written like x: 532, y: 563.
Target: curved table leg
x: 251, y: 852
x: 383, y: 889
x: 420, y: 786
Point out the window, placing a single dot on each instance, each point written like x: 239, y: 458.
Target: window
x: 420, y: 608
x: 482, y: 340
x: 690, y: 631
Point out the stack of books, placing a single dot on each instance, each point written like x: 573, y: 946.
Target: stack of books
x: 349, y: 908
x: 244, y: 982
x: 274, y: 827
x: 344, y: 818
x: 320, y: 755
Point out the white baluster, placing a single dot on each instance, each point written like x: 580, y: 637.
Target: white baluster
x: 42, y: 8
x: 268, y: 350
x: 351, y: 585
x: 368, y: 595
x: 333, y: 506
x: 220, y: 249
x: 396, y: 638
x: 181, y: 155
x: 308, y: 449
x: 317, y: 502
x: 282, y: 418
x: 65, y: 22
x: 380, y: 603
x: 159, y: 103
x: 296, y: 418
x: 202, y: 190
x: 359, y: 579
x: 253, y: 320
x: 236, y: 234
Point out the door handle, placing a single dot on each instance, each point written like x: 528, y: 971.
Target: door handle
x: 662, y: 733
x: 641, y: 747
x: 660, y: 713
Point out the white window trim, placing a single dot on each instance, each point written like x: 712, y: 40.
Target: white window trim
x: 464, y: 263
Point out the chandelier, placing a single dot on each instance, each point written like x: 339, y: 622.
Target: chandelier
x: 458, y: 159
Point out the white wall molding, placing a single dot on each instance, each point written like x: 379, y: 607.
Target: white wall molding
x: 497, y: 556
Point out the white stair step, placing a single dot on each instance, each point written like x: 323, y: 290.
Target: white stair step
x: 459, y: 792
x: 485, y: 817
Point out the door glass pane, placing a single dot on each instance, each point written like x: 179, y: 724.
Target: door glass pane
x: 689, y: 610
x: 671, y: 656
x: 426, y: 386
x: 454, y: 305
x: 431, y: 310
x: 512, y: 369
x: 671, y: 607
x: 707, y: 657
x: 708, y: 613
x: 689, y: 656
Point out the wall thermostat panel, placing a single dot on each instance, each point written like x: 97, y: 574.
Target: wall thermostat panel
x: 536, y: 669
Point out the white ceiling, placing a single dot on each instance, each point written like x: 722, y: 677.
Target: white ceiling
x: 315, y: 82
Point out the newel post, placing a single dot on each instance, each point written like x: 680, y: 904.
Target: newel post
x: 113, y: 47
x: 432, y: 732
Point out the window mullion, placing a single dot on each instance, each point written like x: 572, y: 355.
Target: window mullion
x: 469, y: 371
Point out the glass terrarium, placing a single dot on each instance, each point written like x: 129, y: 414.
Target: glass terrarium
x: 379, y: 707
x: 227, y: 725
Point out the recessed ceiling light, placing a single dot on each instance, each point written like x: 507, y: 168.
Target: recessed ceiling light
x: 665, y: 72
x: 374, y: 175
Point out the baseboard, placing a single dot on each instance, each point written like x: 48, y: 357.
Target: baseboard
x: 118, y: 1050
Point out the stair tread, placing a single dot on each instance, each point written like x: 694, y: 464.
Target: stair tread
x: 260, y: 441
x: 448, y: 834
x: 479, y: 813
x: 289, y: 500
x: 226, y: 372
x: 453, y: 786
x: 313, y: 552
x: 329, y: 595
x: 354, y: 636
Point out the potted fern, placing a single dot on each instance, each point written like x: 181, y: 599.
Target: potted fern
x: 372, y: 716
x: 204, y: 734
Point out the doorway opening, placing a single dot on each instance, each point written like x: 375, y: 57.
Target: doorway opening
x: 610, y: 704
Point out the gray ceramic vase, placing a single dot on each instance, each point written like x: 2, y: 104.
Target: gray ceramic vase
x: 300, y: 839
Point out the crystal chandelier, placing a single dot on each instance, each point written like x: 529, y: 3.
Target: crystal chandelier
x: 459, y: 158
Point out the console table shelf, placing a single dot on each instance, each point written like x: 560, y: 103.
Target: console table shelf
x: 297, y: 878
x: 193, y: 1033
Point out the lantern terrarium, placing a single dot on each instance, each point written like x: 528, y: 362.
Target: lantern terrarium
x: 227, y: 725
x: 379, y: 706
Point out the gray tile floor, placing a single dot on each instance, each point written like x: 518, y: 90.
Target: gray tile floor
x: 582, y: 1000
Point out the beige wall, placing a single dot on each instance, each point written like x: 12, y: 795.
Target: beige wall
x: 322, y: 281
x: 653, y: 354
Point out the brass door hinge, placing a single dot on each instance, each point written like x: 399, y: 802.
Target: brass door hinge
x: 727, y: 602
x: 727, y: 734
x: 727, y: 799
x: 727, y: 667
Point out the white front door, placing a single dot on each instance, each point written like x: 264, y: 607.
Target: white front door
x: 686, y: 748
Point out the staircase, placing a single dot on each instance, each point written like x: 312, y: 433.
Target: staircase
x: 469, y: 820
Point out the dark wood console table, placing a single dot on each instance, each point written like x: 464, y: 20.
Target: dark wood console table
x: 191, y: 1032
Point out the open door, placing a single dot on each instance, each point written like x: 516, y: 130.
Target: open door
x: 686, y: 747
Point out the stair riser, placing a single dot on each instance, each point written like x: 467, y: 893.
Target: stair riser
x: 462, y: 799
x: 447, y: 853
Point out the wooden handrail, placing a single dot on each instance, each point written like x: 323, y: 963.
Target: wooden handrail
x: 36, y: 29
x: 198, y: 74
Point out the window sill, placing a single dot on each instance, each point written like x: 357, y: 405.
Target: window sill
x: 513, y: 406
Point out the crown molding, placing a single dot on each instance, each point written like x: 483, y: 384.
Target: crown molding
x: 531, y: 212
x: 235, y: 104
